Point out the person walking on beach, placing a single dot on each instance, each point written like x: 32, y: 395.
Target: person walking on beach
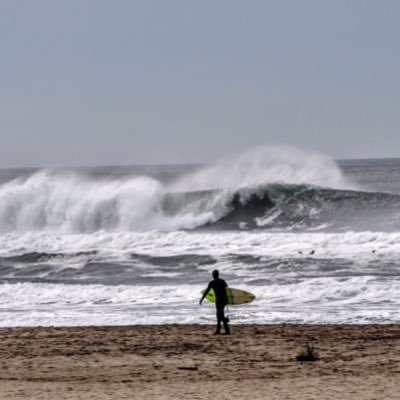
x: 219, y: 286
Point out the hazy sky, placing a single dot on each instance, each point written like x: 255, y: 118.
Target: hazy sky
x: 86, y: 82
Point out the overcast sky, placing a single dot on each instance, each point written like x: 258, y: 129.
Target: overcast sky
x: 95, y: 82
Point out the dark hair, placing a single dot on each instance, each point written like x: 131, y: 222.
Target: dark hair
x: 215, y: 273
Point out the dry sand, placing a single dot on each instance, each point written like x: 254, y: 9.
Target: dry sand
x: 188, y: 362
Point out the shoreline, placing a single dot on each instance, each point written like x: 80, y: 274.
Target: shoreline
x: 165, y: 361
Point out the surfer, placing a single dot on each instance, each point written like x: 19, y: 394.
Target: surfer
x: 219, y: 286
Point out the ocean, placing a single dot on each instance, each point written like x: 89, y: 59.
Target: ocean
x: 316, y: 240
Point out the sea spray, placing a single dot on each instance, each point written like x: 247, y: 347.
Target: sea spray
x: 266, y: 165
x: 71, y: 203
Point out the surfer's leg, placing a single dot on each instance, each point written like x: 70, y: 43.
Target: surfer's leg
x: 220, y: 317
x: 225, y: 321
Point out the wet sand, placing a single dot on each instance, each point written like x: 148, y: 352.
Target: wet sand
x: 187, y: 361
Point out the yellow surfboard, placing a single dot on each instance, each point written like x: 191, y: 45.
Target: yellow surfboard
x: 234, y: 296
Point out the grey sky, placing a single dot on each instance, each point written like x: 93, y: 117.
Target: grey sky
x: 86, y: 82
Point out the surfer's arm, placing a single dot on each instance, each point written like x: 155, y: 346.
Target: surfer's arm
x: 205, y: 293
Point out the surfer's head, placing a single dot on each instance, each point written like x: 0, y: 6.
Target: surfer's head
x: 215, y: 274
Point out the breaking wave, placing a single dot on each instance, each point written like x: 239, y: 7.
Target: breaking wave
x: 264, y: 189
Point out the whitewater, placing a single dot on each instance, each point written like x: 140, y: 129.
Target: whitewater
x: 316, y: 240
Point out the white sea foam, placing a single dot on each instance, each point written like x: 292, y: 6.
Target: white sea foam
x: 295, y: 291
x: 319, y: 300
x: 351, y: 245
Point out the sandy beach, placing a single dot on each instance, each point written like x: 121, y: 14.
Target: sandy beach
x: 187, y: 361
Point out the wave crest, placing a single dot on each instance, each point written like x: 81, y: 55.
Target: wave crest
x: 267, y: 165
x: 263, y: 189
